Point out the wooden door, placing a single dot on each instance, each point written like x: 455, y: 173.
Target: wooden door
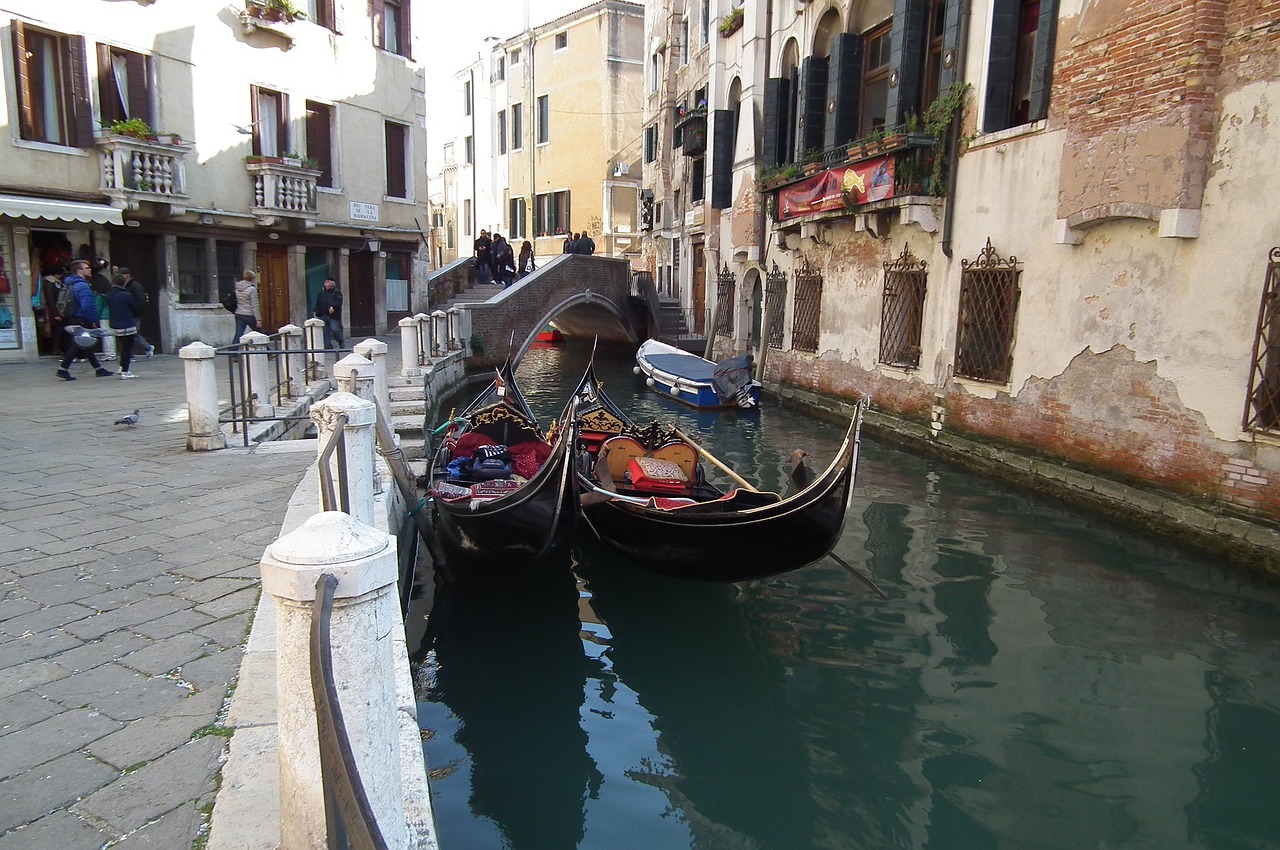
x: 699, y: 289
x: 360, y: 297
x: 273, y: 287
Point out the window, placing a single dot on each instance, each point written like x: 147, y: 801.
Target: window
x: 875, y: 80
x: 502, y: 68
x: 697, y: 179
x: 651, y: 143
x: 544, y: 119
x: 468, y: 151
x: 398, y: 265
x: 775, y: 300
x: 515, y: 57
x: 397, y: 141
x: 52, y: 87
x: 517, y: 126
x: 705, y: 23
x: 808, y: 308
x: 988, y: 305
x: 229, y: 267
x: 466, y: 97
x: 551, y: 213
x: 269, y: 125
x: 195, y: 278
x: 324, y: 13
x: 466, y: 217
x: 655, y: 71
x: 562, y: 40
x: 391, y: 26
x: 502, y: 131
x: 320, y: 140
x: 518, y: 215
x: 124, y: 84
x: 902, y: 311
x: 685, y: 34
x: 1019, y: 64
x: 935, y: 26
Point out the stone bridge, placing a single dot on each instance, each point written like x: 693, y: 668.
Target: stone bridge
x: 587, y: 296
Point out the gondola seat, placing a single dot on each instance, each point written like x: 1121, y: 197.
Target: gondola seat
x: 652, y: 475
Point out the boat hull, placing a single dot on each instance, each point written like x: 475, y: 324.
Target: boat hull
x: 687, y: 378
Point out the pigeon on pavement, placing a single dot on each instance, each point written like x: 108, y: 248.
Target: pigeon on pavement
x: 130, y: 420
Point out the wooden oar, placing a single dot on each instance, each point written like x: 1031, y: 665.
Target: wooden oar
x: 716, y: 462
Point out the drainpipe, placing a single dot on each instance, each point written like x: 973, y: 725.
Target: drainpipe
x: 953, y: 139
x: 761, y: 217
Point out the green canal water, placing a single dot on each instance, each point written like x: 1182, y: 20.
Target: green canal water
x: 1036, y: 678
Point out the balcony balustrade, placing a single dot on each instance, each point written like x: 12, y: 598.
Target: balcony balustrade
x: 135, y: 170
x: 282, y: 189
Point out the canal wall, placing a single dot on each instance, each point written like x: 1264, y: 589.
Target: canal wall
x: 1251, y: 543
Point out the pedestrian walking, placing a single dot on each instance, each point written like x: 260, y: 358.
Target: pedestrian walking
x: 329, y: 309
x: 139, y: 293
x: 526, y: 264
x: 123, y: 310
x: 100, y: 283
x: 483, y: 256
x: 248, y: 309
x: 84, y: 318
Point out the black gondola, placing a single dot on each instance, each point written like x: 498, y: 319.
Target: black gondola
x: 643, y: 492
x: 496, y: 517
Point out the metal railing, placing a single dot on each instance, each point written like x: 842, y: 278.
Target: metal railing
x: 283, y: 384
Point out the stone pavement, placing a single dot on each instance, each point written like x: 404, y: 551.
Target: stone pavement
x: 128, y: 581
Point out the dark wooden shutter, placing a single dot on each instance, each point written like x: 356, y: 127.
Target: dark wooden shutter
x: 814, y: 100
x: 27, y: 118
x: 139, y: 86
x: 406, y: 33
x: 774, y: 89
x: 998, y: 111
x: 906, y: 56
x: 677, y: 131
x: 79, y: 99
x: 722, y: 159
x: 320, y: 141
x: 108, y: 95
x: 395, y: 161
x: 255, y: 118
x: 1042, y: 66
x: 377, y: 11
x: 284, y: 144
x: 844, y: 88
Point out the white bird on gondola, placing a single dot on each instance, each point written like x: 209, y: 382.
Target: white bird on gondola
x: 130, y: 420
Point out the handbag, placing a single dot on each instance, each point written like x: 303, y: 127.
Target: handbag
x: 229, y: 302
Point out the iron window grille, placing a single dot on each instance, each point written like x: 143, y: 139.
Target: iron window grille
x: 1262, y: 408
x: 902, y: 310
x: 808, y: 308
x: 775, y: 299
x: 725, y: 285
x: 989, y: 295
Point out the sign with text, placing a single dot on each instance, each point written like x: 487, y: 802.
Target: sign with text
x: 363, y: 212
x: 838, y: 188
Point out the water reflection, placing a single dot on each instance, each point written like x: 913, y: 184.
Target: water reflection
x: 1035, y: 678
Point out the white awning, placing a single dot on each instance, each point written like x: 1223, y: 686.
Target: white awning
x: 51, y: 210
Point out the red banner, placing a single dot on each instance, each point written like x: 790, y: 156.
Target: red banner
x: 871, y: 180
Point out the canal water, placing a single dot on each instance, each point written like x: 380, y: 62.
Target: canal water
x: 1035, y: 678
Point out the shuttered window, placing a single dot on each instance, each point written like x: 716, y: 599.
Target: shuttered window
x: 1019, y: 62
x: 320, y: 140
x: 397, y: 136
x: 844, y: 89
x: 722, y: 158
x: 52, y: 87
x: 814, y: 102
x: 124, y: 85
x: 875, y: 81
x: 391, y: 26
x: 269, y: 126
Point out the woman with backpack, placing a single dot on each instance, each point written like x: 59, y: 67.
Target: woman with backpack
x: 247, y: 306
x: 124, y: 310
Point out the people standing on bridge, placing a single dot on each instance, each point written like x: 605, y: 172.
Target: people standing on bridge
x: 483, y: 256
x: 526, y: 264
x: 329, y: 309
x: 570, y: 241
x: 586, y: 245
x: 504, y: 262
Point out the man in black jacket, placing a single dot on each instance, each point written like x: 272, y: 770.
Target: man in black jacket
x: 329, y: 308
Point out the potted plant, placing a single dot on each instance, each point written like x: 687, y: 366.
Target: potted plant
x: 811, y: 161
x: 275, y: 10
x: 731, y: 23
x: 254, y: 158
x: 168, y: 138
x: 134, y: 128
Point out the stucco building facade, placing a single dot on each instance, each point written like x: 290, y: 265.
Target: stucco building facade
x: 1072, y: 267
x: 548, y: 140
x: 191, y: 141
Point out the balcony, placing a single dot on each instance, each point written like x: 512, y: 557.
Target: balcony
x: 283, y: 189
x: 692, y: 127
x: 134, y: 170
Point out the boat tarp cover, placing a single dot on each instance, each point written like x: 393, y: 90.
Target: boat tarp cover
x: 732, y: 375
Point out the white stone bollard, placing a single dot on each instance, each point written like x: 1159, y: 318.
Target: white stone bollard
x: 376, y: 351
x: 361, y: 440
x: 439, y: 333
x: 259, y: 371
x: 291, y: 339
x: 410, y: 355
x: 204, y: 433
x: 455, y: 329
x: 315, y: 339
x: 364, y: 561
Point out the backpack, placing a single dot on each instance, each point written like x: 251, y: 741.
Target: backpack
x: 488, y: 463
x: 67, y: 304
x: 229, y: 302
